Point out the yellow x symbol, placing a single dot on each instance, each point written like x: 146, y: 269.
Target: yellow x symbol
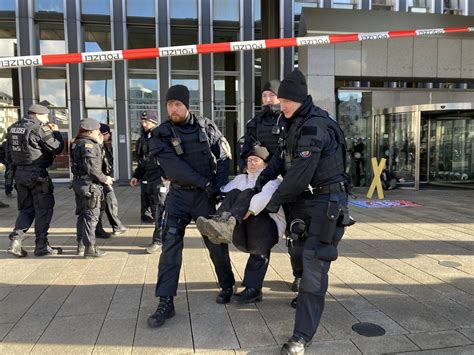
x: 376, y: 182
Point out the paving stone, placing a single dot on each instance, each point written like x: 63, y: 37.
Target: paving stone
x: 458, y: 350
x: 433, y: 340
x: 381, y: 319
x: 384, y: 344
x: 4, y: 329
x: 116, y: 336
x: 213, y: 331
x: 18, y: 302
x: 88, y: 299
x: 469, y: 332
x: 250, y: 327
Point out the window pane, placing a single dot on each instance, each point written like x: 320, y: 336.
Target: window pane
x: 226, y: 61
x: 192, y: 83
x: 51, y: 38
x: 226, y: 10
x: 49, y: 6
x: 142, y: 8
x: 184, y: 36
x: 141, y: 37
x: 7, y: 39
x: 52, y: 87
x: 104, y: 116
x: 96, y: 7
x: 98, y: 89
x: 142, y: 96
x: 97, y: 38
x: 7, y: 5
x: 183, y: 9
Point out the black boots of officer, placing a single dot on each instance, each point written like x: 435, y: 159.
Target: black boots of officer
x: 248, y: 295
x: 295, y: 286
x: 164, y: 311
x: 224, y: 296
x: 294, y: 346
x: 43, y: 248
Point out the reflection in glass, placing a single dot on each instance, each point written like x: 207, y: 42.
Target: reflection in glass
x: 49, y: 6
x: 60, y: 167
x: 97, y: 38
x: 181, y: 36
x: 192, y: 83
x: 142, y: 96
x: 96, y: 7
x: 226, y: 10
x: 183, y: 9
x: 7, y: 39
x: 52, y: 87
x: 51, y: 38
x: 7, y: 5
x: 104, y: 116
x: 226, y: 61
x: 142, y: 8
x: 141, y: 37
x: 8, y: 113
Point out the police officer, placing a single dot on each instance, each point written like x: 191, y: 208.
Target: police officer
x: 266, y: 128
x: 312, y: 162
x: 149, y: 169
x: 32, y: 145
x: 86, y: 165
x: 9, y: 172
x: 195, y: 157
x: 109, y: 204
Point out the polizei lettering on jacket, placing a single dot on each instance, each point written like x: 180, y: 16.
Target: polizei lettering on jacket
x: 247, y: 45
x: 102, y: 56
x: 177, y: 50
x: 312, y: 41
x: 436, y: 31
x: 373, y: 36
x: 27, y: 61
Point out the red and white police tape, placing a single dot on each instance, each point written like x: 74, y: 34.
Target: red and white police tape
x: 142, y: 53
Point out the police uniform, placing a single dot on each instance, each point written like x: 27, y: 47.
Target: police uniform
x: 141, y: 149
x: 312, y: 161
x: 109, y: 204
x: 86, y: 166
x: 31, y: 149
x: 149, y: 169
x: 195, y: 157
x: 264, y: 129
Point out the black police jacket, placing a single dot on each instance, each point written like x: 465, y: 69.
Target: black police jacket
x: 312, y: 154
x: 192, y: 153
x: 265, y: 129
x: 148, y: 167
x: 86, y: 160
x: 32, y: 143
x: 108, y: 159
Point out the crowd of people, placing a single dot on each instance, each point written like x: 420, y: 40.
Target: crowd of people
x: 292, y: 184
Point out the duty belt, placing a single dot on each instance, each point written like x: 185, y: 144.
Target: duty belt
x: 177, y: 186
x: 326, y: 189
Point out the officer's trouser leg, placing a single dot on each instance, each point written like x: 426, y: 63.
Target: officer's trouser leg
x: 157, y: 200
x: 255, y: 270
x: 171, y: 256
x: 145, y: 209
x: 26, y: 215
x: 295, y: 249
x: 220, y: 258
x: 86, y: 225
x: 312, y: 293
x: 111, y: 209
x: 43, y: 203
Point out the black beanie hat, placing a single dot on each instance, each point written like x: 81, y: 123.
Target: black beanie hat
x: 180, y: 93
x: 272, y: 86
x: 258, y: 151
x: 149, y: 116
x: 293, y: 87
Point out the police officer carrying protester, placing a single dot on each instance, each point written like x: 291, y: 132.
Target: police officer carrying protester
x: 266, y: 128
x: 32, y: 145
x: 312, y: 163
x: 109, y: 204
x: 149, y: 170
x: 88, y: 182
x: 195, y: 157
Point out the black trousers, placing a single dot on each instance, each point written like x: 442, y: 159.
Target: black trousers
x: 35, y: 202
x: 145, y: 204
x: 157, y: 196
x: 181, y: 207
x: 8, y: 179
x: 109, y: 205
x: 256, y: 235
x: 316, y: 258
x: 87, y: 210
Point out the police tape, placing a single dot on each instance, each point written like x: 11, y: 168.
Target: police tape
x: 144, y: 53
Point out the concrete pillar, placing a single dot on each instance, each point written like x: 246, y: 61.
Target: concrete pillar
x: 270, y: 29
x: 206, y: 71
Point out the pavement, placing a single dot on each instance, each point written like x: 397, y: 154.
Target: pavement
x: 409, y: 270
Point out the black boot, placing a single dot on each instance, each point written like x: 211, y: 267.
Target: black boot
x: 295, y: 286
x: 224, y: 296
x: 164, y: 311
x: 91, y: 251
x: 80, y: 248
x: 43, y: 248
x: 248, y: 295
x: 293, y: 302
x: 294, y: 346
x: 16, y: 249
x: 102, y: 233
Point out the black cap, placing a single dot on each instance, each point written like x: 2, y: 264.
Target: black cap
x: 258, y: 151
x: 39, y: 109
x: 180, y: 93
x: 272, y: 86
x: 149, y: 116
x: 104, y: 128
x: 89, y: 124
x: 293, y: 87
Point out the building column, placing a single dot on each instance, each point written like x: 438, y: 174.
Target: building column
x: 25, y: 33
x: 163, y: 64
x: 247, y: 80
x: 119, y: 75
x: 287, y: 24
x: 206, y: 63
x: 270, y: 29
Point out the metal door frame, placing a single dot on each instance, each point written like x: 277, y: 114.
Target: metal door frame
x: 417, y: 110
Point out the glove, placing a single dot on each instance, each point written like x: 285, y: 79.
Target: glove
x: 272, y: 207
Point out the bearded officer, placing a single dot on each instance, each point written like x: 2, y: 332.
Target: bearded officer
x: 312, y: 161
x: 33, y: 143
x: 195, y: 157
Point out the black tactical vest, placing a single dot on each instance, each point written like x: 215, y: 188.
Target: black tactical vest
x: 77, y: 151
x: 18, y: 141
x: 268, y: 130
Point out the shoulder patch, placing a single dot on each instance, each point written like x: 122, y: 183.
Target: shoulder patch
x: 89, y: 145
x: 305, y: 154
x: 45, y: 128
x: 309, y: 130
